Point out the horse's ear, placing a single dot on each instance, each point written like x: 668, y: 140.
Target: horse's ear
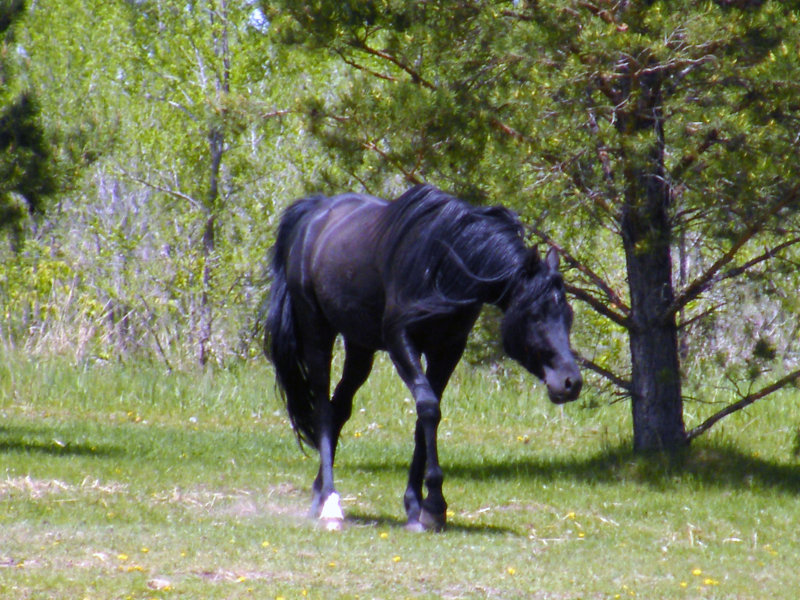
x: 533, y: 262
x: 551, y: 260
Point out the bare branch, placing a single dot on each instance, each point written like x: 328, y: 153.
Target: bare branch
x: 714, y: 273
x: 598, y: 305
x: 409, y: 175
x: 744, y: 402
x: 690, y: 159
x: 605, y: 373
x: 594, y: 278
x: 276, y: 113
x: 510, y: 131
x: 154, y: 334
x: 694, y: 319
x: 165, y: 190
x: 361, y: 67
x: 415, y: 75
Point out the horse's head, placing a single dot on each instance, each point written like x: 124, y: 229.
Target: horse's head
x: 536, y: 328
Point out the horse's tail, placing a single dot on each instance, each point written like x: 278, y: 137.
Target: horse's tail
x: 282, y: 343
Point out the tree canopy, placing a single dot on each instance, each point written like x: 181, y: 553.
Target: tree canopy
x: 27, y: 169
x: 625, y: 133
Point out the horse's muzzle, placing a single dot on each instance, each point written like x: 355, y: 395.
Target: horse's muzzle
x: 563, y: 386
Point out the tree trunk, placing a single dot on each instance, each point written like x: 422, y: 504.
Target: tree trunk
x: 656, y: 382
x: 646, y: 237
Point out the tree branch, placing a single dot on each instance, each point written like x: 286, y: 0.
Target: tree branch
x: 415, y: 75
x: 409, y: 175
x: 276, y: 113
x: 713, y: 274
x: 361, y: 67
x: 598, y: 281
x: 690, y: 159
x: 598, y: 305
x: 165, y: 190
x: 744, y: 402
x: 605, y: 373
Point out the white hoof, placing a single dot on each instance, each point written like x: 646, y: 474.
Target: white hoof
x: 331, y: 515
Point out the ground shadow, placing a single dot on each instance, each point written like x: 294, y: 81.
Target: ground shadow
x: 359, y: 518
x: 33, y: 440
x: 705, y: 464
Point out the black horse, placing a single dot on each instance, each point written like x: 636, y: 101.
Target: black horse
x: 409, y: 277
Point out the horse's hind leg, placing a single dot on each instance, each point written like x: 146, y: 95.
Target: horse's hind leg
x: 334, y: 414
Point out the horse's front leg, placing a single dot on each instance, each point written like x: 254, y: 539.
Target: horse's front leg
x: 431, y: 512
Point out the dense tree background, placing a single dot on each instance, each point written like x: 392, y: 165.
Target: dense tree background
x: 27, y: 167
x: 655, y: 143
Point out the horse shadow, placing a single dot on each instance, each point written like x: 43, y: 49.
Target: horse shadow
x: 359, y: 518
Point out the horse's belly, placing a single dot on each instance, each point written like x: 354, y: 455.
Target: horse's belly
x: 352, y: 300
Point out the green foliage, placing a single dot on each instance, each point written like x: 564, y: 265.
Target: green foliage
x: 27, y: 170
x: 133, y: 119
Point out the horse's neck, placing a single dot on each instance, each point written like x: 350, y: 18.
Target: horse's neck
x: 498, y: 284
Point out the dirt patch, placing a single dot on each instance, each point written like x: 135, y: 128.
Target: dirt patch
x: 36, y: 489
x: 284, y: 500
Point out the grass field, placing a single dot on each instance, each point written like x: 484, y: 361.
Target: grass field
x: 123, y: 481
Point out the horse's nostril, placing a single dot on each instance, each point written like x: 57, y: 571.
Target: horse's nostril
x: 568, y: 384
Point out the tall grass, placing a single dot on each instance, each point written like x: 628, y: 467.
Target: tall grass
x: 125, y: 481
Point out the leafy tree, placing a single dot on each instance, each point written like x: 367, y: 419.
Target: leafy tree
x: 630, y: 132
x: 200, y: 65
x: 120, y: 265
x: 27, y: 173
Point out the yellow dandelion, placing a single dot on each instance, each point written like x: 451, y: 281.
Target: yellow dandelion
x: 684, y: 584
x: 511, y: 570
x: 709, y: 581
x: 331, y: 564
x: 396, y: 558
x: 265, y: 544
x: 697, y: 572
x: 384, y: 535
x: 122, y: 557
x: 241, y: 579
x: 570, y: 515
x: 144, y: 550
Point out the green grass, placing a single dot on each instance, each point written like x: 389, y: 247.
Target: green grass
x: 122, y: 481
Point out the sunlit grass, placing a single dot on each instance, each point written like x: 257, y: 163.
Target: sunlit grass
x: 125, y: 481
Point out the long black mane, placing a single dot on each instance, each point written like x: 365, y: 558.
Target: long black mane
x: 445, y: 254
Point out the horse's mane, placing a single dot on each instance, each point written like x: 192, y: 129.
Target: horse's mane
x: 443, y: 253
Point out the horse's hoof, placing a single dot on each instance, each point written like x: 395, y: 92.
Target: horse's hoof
x: 331, y: 516
x: 414, y: 527
x: 332, y: 524
x: 431, y: 522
